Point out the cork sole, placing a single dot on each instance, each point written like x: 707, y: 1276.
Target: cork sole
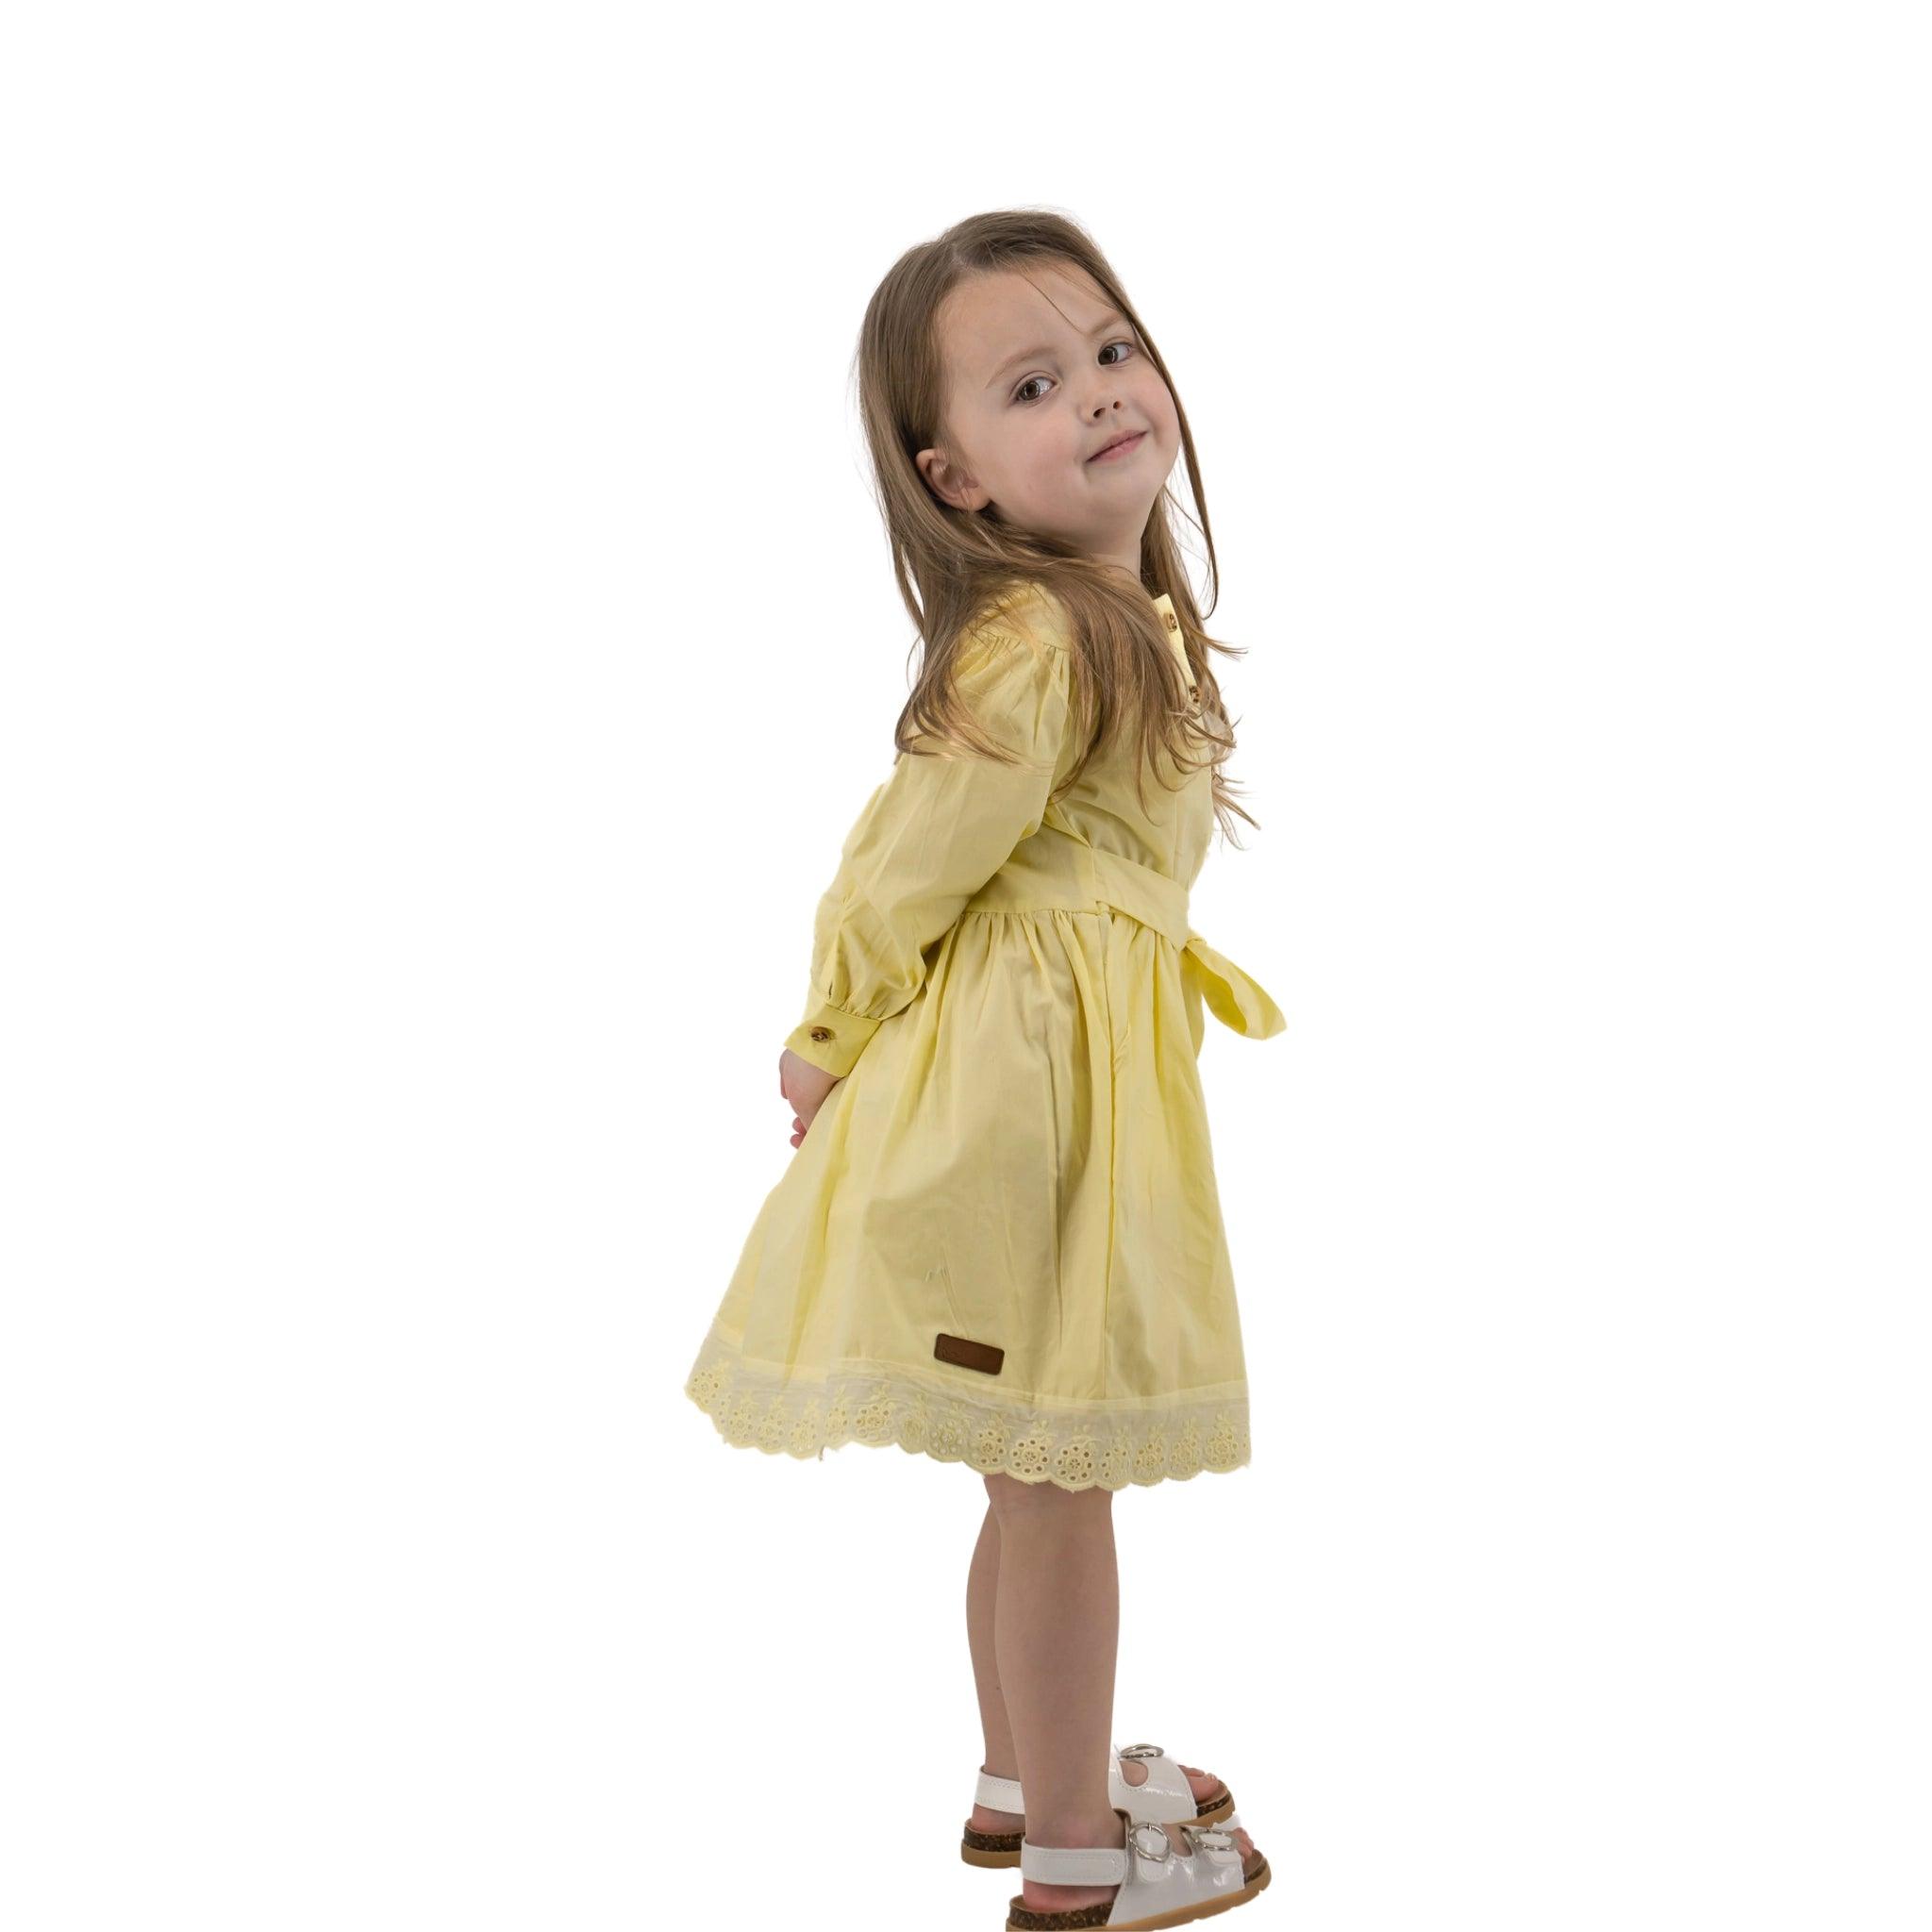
x: 992, y: 1848
x: 1023, y: 1918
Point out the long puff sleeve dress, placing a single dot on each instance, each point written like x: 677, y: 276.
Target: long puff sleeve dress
x: 1000, y: 1242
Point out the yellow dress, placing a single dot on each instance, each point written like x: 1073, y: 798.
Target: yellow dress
x: 1000, y: 1242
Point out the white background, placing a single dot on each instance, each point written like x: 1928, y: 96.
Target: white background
x: 446, y: 635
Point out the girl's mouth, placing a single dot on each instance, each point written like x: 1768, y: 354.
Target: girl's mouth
x: 1120, y: 449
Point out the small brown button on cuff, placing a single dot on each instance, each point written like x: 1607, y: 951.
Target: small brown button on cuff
x: 831, y: 1039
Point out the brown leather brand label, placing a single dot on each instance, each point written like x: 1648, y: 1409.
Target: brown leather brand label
x: 969, y: 1354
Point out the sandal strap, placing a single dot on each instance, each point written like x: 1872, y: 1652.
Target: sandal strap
x: 1073, y: 1864
x: 1165, y: 1796
x: 1195, y: 1870
x: 999, y: 1793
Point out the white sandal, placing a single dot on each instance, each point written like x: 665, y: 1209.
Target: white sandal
x: 1158, y: 1885
x: 1165, y: 1798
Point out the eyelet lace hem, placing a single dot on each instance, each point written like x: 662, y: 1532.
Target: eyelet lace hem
x: 758, y: 1408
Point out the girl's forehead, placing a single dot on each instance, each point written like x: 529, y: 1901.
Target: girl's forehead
x: 1023, y: 297
x: 1004, y: 310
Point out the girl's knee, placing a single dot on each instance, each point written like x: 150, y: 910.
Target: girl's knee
x: 1009, y: 1496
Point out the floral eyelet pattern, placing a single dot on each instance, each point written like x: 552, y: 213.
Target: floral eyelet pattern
x: 758, y: 1408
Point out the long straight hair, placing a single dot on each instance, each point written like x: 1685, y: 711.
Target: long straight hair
x: 955, y: 567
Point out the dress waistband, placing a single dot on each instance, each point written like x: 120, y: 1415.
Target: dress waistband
x: 1038, y: 880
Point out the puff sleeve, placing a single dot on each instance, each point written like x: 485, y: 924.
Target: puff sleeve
x: 928, y: 838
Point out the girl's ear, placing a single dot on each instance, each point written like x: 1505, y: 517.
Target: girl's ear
x: 949, y: 483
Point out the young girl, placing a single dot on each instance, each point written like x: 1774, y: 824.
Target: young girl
x: 1000, y: 1242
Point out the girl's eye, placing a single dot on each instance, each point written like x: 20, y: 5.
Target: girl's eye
x: 1020, y: 394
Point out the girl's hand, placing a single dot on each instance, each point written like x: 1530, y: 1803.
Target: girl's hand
x: 805, y: 1087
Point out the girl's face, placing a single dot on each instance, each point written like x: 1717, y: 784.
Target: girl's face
x: 1040, y: 375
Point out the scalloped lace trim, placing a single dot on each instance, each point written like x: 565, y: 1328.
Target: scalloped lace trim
x: 756, y: 1407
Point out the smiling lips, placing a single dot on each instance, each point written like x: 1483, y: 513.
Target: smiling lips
x: 1124, y: 446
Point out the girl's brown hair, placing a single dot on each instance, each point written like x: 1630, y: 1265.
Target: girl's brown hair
x: 955, y: 567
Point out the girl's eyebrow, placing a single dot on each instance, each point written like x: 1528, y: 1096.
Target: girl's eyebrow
x: 1105, y: 322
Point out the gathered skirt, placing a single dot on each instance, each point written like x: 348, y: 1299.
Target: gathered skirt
x: 1000, y: 1242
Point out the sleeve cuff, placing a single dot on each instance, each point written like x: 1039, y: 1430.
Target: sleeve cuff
x: 831, y: 1039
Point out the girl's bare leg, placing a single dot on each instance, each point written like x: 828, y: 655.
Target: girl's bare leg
x: 1055, y: 1636
x: 982, y: 1592
x: 1042, y: 1617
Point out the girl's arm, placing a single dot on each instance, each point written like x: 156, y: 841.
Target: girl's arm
x: 928, y: 838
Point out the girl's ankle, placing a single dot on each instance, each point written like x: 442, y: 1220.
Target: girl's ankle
x: 1072, y: 1833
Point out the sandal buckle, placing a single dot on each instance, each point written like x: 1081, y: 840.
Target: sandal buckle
x: 1140, y: 1751
x: 1217, y: 1837
x: 1159, y: 1832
